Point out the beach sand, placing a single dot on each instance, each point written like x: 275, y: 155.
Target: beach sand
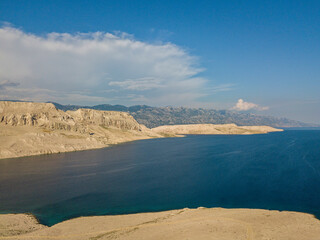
x: 201, y: 223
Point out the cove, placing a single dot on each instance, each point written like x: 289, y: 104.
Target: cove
x: 279, y: 171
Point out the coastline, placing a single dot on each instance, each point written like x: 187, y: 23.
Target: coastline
x: 86, y: 148
x: 28, y: 129
x: 75, y: 149
x: 199, y: 223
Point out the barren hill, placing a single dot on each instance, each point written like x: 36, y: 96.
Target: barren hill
x: 39, y: 128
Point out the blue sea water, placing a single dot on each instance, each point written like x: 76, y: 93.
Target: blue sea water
x: 270, y: 171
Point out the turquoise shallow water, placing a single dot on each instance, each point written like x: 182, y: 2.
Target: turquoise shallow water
x: 270, y: 171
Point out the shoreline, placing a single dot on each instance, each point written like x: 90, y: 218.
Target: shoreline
x: 195, y: 223
x: 151, y: 212
x: 29, y: 129
x: 128, y: 141
x: 81, y: 150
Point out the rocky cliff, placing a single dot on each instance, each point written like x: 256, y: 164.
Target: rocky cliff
x: 46, y: 115
x: 38, y: 128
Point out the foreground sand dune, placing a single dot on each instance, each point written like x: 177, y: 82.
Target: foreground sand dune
x: 201, y: 223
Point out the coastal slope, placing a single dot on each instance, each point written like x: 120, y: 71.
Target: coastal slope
x: 28, y: 128
x: 213, y: 129
x: 201, y: 223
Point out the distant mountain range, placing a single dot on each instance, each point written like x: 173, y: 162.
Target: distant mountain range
x: 158, y: 116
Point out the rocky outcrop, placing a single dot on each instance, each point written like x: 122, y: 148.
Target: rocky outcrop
x: 121, y: 120
x: 39, y: 128
x: 46, y: 115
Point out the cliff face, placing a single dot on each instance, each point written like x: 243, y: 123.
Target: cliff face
x: 39, y: 128
x: 46, y: 115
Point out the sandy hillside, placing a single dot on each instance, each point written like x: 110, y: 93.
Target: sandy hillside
x: 201, y: 223
x: 213, y: 129
x: 39, y: 128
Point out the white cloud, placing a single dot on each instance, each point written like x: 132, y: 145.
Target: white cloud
x: 95, y: 68
x: 245, y: 106
x: 140, y: 84
x: 221, y: 88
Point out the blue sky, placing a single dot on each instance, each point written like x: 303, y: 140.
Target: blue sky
x: 180, y: 53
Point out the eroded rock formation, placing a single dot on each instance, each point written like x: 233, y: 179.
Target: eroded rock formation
x: 28, y: 128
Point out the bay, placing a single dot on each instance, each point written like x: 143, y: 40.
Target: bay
x: 279, y: 171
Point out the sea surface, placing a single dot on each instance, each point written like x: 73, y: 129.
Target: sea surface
x: 278, y: 171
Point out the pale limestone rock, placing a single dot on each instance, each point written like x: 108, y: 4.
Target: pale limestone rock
x: 39, y: 128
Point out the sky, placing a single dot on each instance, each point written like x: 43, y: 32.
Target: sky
x: 250, y: 56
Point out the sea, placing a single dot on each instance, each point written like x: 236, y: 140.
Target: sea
x: 277, y: 171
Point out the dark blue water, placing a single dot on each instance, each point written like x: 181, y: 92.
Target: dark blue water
x: 271, y: 171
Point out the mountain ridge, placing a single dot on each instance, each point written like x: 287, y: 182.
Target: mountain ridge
x: 157, y: 116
